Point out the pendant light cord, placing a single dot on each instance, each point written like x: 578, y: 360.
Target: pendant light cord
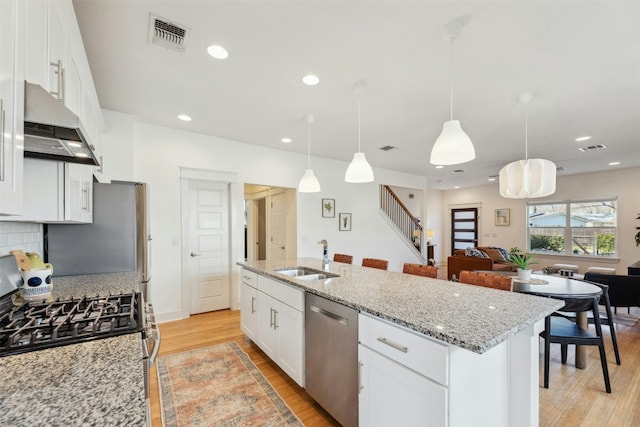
x: 451, y: 80
x: 309, y: 147
x: 526, y: 132
x: 359, y: 102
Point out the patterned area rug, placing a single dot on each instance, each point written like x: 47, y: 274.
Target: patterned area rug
x: 218, y: 386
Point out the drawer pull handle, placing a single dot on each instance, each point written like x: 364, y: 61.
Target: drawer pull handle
x: 393, y: 344
x: 330, y: 315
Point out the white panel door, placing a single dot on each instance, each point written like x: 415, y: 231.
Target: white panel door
x: 278, y: 227
x: 208, y: 265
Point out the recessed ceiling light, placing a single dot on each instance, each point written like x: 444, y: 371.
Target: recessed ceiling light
x: 311, y: 80
x: 491, y: 179
x: 217, y: 51
x: 286, y: 140
x: 456, y: 187
x: 614, y: 163
x: 583, y: 138
x: 184, y: 117
x: 439, y: 167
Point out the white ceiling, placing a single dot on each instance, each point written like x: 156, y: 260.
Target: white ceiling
x: 581, y: 60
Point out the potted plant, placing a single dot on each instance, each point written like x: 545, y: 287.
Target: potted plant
x: 522, y: 261
x: 638, y: 234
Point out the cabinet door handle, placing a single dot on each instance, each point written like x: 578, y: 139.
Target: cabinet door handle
x: 253, y: 300
x: 360, y: 387
x: 195, y: 254
x: 2, y: 140
x: 60, y: 72
x: 390, y: 343
x: 271, y: 318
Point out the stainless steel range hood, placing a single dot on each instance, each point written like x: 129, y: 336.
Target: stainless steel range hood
x: 52, y: 131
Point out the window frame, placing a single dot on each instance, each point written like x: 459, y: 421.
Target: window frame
x: 568, y: 228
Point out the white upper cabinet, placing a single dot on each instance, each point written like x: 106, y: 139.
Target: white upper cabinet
x: 56, y: 192
x: 56, y: 60
x: 11, y: 105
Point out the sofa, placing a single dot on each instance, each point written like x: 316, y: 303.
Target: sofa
x: 490, y: 258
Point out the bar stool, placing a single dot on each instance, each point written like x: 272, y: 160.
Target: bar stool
x: 347, y: 259
x: 420, y: 270
x: 381, y: 264
x: 487, y: 280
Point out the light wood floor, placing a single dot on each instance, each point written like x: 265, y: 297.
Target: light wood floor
x: 574, y: 398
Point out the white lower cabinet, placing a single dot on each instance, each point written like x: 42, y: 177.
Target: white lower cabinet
x: 408, y: 379
x: 393, y: 395
x: 249, y: 311
x: 272, y: 315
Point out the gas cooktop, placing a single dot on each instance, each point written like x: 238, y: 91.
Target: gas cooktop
x: 39, y: 325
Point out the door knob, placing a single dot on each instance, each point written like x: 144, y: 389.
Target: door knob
x: 194, y: 254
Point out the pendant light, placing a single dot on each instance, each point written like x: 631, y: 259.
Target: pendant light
x: 453, y: 146
x: 359, y: 169
x: 309, y: 183
x: 528, y: 178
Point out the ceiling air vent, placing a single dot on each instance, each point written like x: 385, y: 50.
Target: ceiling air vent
x: 592, y: 148
x: 387, y: 148
x: 168, y: 34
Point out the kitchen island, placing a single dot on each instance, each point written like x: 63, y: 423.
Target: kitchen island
x: 99, y: 382
x: 483, y: 342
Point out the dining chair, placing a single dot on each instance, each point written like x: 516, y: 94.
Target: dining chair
x: 347, y: 259
x: 381, y: 264
x: 563, y: 331
x: 607, y: 319
x: 420, y: 270
x: 487, y: 280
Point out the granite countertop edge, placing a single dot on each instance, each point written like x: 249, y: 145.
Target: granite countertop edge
x: 466, y: 342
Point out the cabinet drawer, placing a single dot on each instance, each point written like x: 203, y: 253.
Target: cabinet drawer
x: 249, y: 278
x: 413, y: 350
x: 282, y: 292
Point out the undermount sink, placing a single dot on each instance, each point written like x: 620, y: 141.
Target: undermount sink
x: 305, y: 273
x: 318, y: 276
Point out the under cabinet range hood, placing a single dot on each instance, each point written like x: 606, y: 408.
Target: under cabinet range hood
x: 52, y: 131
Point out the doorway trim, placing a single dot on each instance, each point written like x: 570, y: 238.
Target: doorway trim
x: 236, y: 229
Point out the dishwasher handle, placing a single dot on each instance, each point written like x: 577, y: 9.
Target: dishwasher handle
x: 330, y: 315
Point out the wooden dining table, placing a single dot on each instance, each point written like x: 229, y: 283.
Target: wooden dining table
x: 558, y: 287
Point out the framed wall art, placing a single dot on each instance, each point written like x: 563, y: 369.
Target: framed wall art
x: 344, y: 222
x: 328, y: 208
x: 503, y: 217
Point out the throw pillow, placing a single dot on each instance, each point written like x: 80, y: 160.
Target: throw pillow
x: 494, y: 254
x: 505, y: 253
x: 475, y: 252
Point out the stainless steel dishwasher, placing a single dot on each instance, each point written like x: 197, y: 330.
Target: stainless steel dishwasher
x: 331, y: 357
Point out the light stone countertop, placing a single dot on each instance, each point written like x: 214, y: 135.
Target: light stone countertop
x: 470, y: 317
x: 98, y: 382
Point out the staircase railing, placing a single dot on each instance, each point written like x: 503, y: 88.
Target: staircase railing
x: 408, y: 225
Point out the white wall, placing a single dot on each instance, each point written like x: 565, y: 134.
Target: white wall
x: 624, y: 184
x: 161, y: 152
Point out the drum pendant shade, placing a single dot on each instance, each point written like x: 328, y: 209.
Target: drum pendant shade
x: 526, y: 179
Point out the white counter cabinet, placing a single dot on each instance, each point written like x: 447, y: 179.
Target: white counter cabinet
x: 409, y: 379
x: 272, y: 315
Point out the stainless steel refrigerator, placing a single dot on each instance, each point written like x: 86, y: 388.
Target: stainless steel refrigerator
x: 118, y: 240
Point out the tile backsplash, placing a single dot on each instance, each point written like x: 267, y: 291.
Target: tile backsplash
x: 20, y: 235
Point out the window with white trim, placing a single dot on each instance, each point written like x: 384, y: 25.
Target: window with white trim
x: 574, y: 228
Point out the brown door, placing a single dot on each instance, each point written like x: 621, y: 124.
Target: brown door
x: 464, y: 228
